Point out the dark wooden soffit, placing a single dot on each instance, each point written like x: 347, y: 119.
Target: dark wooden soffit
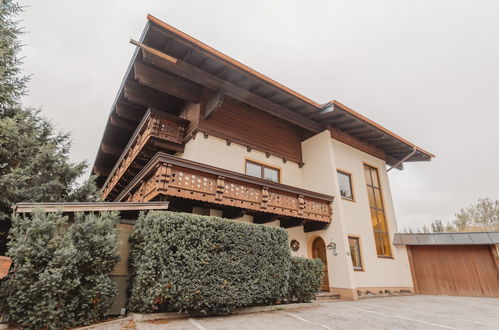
x: 202, y: 77
x: 181, y: 45
x: 347, y: 125
x: 89, y: 207
x: 165, y: 158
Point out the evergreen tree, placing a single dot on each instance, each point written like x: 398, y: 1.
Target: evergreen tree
x: 34, y: 156
x: 12, y: 82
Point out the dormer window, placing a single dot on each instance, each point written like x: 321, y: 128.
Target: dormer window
x: 262, y: 171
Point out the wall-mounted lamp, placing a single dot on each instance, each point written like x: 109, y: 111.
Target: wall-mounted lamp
x: 332, y: 246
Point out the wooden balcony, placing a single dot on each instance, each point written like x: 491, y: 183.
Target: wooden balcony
x: 166, y: 175
x: 158, y: 131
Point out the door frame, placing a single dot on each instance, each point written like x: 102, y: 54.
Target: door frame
x: 310, y: 244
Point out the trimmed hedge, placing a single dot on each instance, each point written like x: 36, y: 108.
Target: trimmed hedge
x: 305, y: 279
x: 60, y: 274
x: 184, y: 262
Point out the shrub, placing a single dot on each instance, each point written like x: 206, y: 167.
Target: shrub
x: 197, y: 264
x: 60, y: 271
x: 305, y: 279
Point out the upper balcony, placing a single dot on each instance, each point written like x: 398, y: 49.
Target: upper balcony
x: 166, y: 176
x: 158, y: 131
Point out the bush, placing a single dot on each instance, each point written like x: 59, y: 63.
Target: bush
x: 305, y: 279
x: 60, y: 275
x: 197, y: 264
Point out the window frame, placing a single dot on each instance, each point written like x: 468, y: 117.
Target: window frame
x: 350, y: 176
x: 361, y: 256
x: 262, y: 166
x: 378, y: 234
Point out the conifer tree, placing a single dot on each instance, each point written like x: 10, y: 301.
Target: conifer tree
x: 34, y: 156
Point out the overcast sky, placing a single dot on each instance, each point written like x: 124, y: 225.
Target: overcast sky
x: 427, y: 70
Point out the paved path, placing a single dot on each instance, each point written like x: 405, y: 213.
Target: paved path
x: 408, y: 312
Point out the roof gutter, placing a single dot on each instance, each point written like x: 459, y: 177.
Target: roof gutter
x: 414, y: 149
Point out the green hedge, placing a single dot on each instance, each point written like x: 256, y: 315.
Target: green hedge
x: 305, y: 279
x: 197, y: 264
x: 60, y: 273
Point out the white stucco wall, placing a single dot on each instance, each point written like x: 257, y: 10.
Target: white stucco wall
x: 322, y: 157
x: 319, y: 174
x: 214, y: 151
x: 378, y: 272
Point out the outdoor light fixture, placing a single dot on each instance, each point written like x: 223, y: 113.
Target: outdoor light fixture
x: 332, y: 246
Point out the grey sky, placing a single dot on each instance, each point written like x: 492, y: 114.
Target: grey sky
x: 428, y: 70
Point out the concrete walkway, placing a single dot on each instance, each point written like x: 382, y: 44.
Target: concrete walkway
x: 408, y: 312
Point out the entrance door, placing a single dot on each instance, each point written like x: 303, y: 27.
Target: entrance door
x: 319, y: 251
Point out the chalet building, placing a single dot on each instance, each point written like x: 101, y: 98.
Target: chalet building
x: 212, y: 136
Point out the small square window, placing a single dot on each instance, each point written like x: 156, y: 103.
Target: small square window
x: 345, y: 183
x: 262, y: 171
x: 253, y: 169
x: 271, y: 174
x: 355, y: 252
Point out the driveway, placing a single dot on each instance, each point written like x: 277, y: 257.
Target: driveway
x: 408, y: 312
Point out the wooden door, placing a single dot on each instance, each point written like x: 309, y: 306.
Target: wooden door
x: 465, y: 270
x: 319, y: 251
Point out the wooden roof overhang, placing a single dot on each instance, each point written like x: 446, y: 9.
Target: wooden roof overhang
x: 346, y: 124
x: 170, y: 68
x: 127, y: 210
x: 168, y: 176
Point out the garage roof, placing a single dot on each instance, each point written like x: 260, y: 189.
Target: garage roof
x: 462, y: 238
x: 90, y: 206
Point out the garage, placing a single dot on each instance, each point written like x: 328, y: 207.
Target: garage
x: 454, y: 264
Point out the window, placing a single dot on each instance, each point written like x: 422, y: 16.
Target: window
x: 262, y: 171
x: 345, y: 182
x: 355, y: 252
x: 377, y: 212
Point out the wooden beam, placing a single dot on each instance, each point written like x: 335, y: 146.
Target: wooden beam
x: 289, y: 223
x: 310, y: 226
x: 233, y: 212
x: 122, y: 123
x: 110, y: 150
x: 375, y: 139
x: 369, y: 135
x: 262, y: 218
x: 354, y: 142
x: 238, y: 80
x: 197, y: 75
x: 214, y: 103
x: 71, y: 207
x: 166, y: 83
x: 147, y: 97
x: 357, y: 129
x: 343, y: 122
x: 100, y: 171
x: 129, y: 111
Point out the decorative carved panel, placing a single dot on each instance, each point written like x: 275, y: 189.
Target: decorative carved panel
x: 153, y: 126
x: 186, y: 179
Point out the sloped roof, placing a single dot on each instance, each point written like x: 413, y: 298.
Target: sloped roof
x: 167, y: 43
x: 460, y: 238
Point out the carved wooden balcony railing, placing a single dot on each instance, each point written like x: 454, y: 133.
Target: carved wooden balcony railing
x: 158, y: 131
x: 172, y: 176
